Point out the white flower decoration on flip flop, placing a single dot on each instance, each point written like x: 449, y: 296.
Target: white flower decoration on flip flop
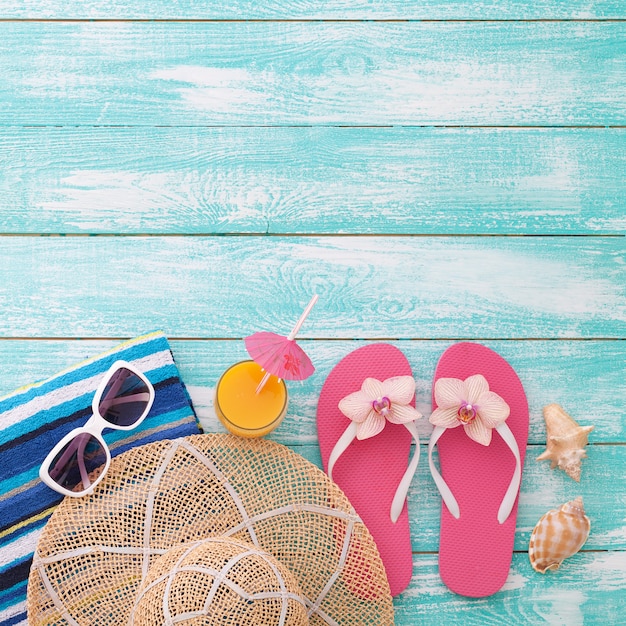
x: 470, y: 404
x: 377, y: 402
x: 369, y: 409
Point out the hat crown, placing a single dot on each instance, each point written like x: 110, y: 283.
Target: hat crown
x: 219, y: 580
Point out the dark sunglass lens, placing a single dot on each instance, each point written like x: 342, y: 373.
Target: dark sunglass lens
x: 74, y: 467
x: 125, y: 398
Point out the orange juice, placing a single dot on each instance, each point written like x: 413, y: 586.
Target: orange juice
x: 243, y: 411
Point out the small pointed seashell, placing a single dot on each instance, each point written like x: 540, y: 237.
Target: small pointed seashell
x: 565, y: 441
x: 559, y: 534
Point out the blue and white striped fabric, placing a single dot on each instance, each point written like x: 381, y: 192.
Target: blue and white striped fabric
x: 34, y: 418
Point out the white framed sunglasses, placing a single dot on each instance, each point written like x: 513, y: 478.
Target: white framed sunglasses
x: 81, y: 459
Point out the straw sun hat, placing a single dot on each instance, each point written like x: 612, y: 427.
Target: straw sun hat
x: 209, y: 529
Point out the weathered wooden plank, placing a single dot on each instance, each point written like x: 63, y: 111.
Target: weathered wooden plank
x: 323, y: 9
x: 369, y: 287
x: 322, y: 180
x: 586, y: 590
x: 604, y: 472
x: 576, y: 367
x: 603, y: 481
x: 583, y: 376
x: 198, y: 73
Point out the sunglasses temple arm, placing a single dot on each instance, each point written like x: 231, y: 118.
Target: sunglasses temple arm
x: 105, y: 405
x: 110, y: 396
x: 81, y: 462
x: 126, y: 399
x: 67, y: 455
x: 77, y: 445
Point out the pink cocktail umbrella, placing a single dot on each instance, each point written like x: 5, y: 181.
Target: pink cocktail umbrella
x: 281, y: 356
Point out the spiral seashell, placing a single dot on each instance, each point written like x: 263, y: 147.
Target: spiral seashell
x: 565, y: 441
x: 559, y: 534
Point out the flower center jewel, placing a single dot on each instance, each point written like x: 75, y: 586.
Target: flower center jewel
x: 466, y: 413
x: 382, y: 405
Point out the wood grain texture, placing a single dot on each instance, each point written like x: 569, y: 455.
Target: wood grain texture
x: 369, y: 287
x: 582, y: 376
x: 321, y: 180
x: 323, y: 10
x: 587, y: 590
x: 195, y: 129
x: 242, y: 73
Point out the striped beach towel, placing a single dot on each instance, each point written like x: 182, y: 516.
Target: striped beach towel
x: 34, y: 418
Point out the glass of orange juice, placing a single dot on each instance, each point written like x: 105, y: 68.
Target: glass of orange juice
x: 241, y: 409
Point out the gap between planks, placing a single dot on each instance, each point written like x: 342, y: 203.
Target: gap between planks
x: 594, y: 550
x: 348, y: 126
x: 310, y: 20
x: 324, y: 235
x: 327, y: 339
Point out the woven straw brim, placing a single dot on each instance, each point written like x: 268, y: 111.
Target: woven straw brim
x: 95, y: 551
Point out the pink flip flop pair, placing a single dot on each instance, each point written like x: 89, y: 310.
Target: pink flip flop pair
x: 366, y: 423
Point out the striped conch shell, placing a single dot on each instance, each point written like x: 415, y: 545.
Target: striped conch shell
x: 565, y: 442
x: 559, y: 534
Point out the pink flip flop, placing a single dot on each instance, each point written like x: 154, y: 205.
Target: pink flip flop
x: 477, y: 391
x: 366, y: 422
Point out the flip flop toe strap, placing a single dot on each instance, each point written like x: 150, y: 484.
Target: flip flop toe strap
x: 506, y: 506
x: 403, y: 487
x: 508, y: 501
x: 446, y: 494
x: 349, y: 435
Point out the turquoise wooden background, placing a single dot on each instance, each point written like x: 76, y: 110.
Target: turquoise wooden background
x: 435, y: 171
